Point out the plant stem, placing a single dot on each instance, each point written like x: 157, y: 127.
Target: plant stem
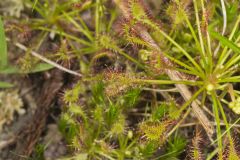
x: 223, y: 57
x: 192, y: 83
x: 217, y: 118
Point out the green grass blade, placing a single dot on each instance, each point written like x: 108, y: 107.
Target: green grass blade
x: 34, y: 5
x: 217, y: 120
x: 224, y: 41
x: 161, y: 82
x: 5, y: 85
x: 85, y: 32
x: 41, y: 67
x: 9, y: 70
x: 62, y: 33
x: 230, y: 79
x: 3, y: 46
x: 170, y: 39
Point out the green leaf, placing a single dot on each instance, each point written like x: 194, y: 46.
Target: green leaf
x: 9, y: 70
x: 15, y: 70
x: 34, y: 5
x: 5, y: 85
x: 224, y: 41
x: 41, y: 67
x: 3, y: 46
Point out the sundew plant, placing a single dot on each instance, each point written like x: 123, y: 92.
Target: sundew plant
x: 154, y: 78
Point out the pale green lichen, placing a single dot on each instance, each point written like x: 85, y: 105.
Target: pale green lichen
x: 12, y: 7
x: 235, y: 106
x: 10, y: 103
